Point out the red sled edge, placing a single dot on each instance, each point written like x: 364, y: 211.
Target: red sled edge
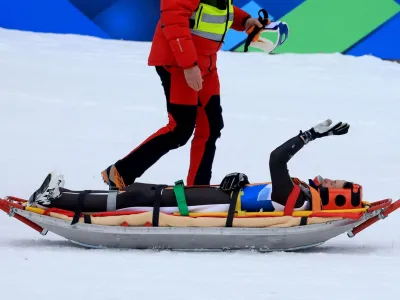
x: 8, y: 208
x: 382, y: 215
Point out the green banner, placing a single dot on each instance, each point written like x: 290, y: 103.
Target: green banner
x: 326, y: 26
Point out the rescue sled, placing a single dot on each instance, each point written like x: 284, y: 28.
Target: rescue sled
x: 199, y: 231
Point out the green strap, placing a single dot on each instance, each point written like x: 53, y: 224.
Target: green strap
x: 179, y: 190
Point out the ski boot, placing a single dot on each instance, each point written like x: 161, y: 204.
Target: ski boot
x: 48, y: 191
x: 112, y: 178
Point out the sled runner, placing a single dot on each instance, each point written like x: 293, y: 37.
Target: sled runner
x: 199, y: 231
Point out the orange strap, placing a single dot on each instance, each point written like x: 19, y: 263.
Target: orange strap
x: 316, y: 200
x: 291, y: 201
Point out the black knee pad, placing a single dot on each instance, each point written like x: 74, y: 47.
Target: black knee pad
x: 181, y: 135
x: 213, y: 110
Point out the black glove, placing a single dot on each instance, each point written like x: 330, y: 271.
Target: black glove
x: 233, y: 181
x: 324, y: 129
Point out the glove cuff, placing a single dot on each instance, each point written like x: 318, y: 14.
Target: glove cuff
x: 307, y: 136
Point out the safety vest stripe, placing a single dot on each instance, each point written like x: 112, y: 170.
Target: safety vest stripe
x: 207, y: 18
x: 215, y: 19
x: 208, y: 35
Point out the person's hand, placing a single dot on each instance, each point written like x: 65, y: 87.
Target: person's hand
x: 325, y: 129
x: 253, y: 27
x: 193, y: 78
x: 233, y: 181
x: 252, y: 22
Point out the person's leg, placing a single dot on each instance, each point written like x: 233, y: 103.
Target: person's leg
x: 282, y: 184
x: 138, y: 196
x: 209, y: 124
x: 182, y: 108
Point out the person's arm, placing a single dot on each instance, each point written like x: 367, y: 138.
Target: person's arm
x: 282, y: 184
x: 175, y: 16
x: 280, y: 177
x: 239, y: 19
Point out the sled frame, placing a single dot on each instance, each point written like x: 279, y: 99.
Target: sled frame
x: 196, y: 238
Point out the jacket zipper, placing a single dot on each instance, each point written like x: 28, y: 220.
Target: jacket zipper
x: 179, y: 44
x: 227, y: 2
x: 198, y: 19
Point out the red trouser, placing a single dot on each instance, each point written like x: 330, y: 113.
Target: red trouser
x: 188, y: 111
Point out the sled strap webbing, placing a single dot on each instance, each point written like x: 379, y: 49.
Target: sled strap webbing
x: 232, y: 207
x: 87, y: 219
x: 79, y: 206
x: 315, y: 200
x: 157, y: 204
x: 179, y: 191
x: 112, y: 200
x: 291, y: 201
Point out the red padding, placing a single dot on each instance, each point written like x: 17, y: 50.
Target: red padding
x: 117, y: 213
x: 69, y: 213
x: 349, y: 215
x: 59, y: 211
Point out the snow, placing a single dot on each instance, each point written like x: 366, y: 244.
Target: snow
x: 76, y: 104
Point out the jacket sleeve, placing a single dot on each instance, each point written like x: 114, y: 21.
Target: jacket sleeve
x: 282, y: 184
x: 175, y: 24
x: 240, y: 17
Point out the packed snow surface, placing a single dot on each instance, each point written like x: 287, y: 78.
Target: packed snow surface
x: 77, y: 104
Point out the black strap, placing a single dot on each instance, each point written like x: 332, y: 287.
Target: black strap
x: 324, y: 194
x: 79, y: 206
x: 157, y: 203
x: 87, y: 219
x: 232, y: 206
x: 303, y: 221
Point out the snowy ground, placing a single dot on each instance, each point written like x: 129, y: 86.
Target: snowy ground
x: 76, y: 104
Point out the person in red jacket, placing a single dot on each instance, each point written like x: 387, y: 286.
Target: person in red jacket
x: 184, y: 53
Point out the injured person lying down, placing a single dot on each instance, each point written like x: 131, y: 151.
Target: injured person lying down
x: 283, y: 190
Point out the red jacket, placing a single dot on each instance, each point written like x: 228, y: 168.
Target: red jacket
x: 173, y: 43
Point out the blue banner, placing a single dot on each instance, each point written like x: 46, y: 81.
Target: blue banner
x: 136, y: 20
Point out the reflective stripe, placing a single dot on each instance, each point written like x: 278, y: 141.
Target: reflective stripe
x: 215, y: 19
x: 211, y: 22
x: 212, y: 18
x: 208, y: 35
x: 112, y: 201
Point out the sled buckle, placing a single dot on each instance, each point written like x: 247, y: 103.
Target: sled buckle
x: 381, y: 215
x: 12, y: 212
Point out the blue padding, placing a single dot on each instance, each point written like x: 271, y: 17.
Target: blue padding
x: 256, y: 197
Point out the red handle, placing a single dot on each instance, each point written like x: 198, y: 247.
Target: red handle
x: 7, y: 206
x: 375, y: 219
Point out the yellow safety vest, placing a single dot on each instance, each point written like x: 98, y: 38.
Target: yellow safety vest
x: 212, y: 19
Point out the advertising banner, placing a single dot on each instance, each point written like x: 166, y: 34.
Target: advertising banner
x: 355, y: 27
